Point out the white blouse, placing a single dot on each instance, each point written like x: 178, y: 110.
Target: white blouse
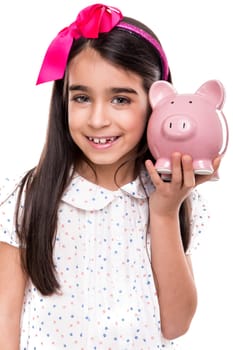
x: 108, y: 299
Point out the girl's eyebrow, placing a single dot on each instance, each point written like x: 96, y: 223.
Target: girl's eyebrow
x: 118, y: 90
x: 114, y: 90
x: 78, y: 88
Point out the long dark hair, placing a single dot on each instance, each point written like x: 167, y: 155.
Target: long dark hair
x: 44, y: 185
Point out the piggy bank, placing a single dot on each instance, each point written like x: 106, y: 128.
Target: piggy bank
x: 191, y: 124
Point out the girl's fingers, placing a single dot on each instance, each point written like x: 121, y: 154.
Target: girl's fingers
x: 216, y: 163
x: 182, y: 171
x: 188, y: 171
x: 203, y: 178
x: 155, y: 177
x: 176, y: 169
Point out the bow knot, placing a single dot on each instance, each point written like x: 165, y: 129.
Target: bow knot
x: 89, y: 23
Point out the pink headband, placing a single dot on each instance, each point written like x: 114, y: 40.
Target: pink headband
x: 152, y: 41
x: 91, y: 21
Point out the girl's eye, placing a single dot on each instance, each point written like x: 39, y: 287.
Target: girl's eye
x: 80, y: 98
x: 121, y: 100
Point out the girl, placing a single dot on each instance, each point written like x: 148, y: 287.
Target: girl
x: 95, y: 246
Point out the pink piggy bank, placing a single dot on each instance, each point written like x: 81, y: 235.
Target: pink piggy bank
x: 191, y: 124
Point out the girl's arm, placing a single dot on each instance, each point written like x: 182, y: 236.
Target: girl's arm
x: 12, y: 287
x: 173, y: 276
x: 172, y: 269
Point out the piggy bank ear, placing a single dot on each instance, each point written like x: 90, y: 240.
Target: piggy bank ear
x: 160, y: 89
x: 213, y: 91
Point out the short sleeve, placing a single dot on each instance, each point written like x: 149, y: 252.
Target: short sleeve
x: 199, y: 220
x: 8, y: 198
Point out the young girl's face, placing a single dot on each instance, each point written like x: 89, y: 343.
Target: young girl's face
x: 107, y: 109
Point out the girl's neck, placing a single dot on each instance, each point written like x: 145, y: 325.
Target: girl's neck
x: 108, y: 176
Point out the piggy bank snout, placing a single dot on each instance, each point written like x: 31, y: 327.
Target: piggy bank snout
x: 178, y: 127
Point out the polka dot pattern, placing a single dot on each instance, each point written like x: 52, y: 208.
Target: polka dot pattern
x: 108, y: 299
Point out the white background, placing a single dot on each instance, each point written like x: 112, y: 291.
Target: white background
x: 197, y: 37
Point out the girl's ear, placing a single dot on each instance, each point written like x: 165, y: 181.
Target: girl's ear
x: 160, y: 89
x: 213, y: 91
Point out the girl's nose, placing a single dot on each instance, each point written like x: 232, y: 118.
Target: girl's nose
x: 98, y: 117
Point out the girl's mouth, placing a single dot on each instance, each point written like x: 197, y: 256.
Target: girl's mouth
x: 102, y: 140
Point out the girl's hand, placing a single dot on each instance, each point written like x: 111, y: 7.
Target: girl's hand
x: 168, y: 196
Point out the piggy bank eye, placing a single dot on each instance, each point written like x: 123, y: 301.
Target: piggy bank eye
x: 190, y: 101
x: 172, y: 102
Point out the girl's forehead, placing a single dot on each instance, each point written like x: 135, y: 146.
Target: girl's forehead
x: 91, y: 59
x: 90, y: 68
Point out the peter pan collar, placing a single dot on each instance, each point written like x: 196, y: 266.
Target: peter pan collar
x: 86, y: 195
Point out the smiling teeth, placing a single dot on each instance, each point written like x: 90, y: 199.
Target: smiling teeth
x: 101, y: 140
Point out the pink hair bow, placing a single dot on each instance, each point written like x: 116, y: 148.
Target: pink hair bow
x: 91, y: 21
